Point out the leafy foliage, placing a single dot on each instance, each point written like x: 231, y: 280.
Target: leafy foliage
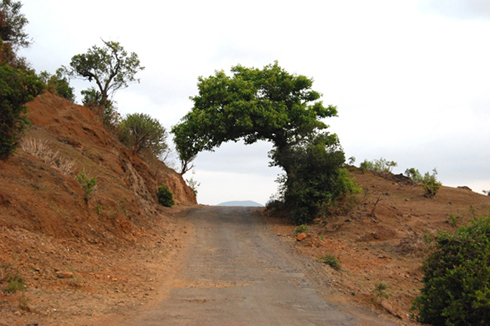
x: 330, y: 260
x: 414, y: 174
x: 379, y: 292
x: 317, y: 177
x: 194, y: 184
x: 457, y: 278
x: 111, y: 67
x: 303, y: 228
x: 58, y: 84
x: 165, y: 196
x: 12, y: 24
x: 141, y: 132
x: 271, y: 105
x: 88, y: 184
x: 430, y: 184
x: 16, y: 89
x: 381, y: 165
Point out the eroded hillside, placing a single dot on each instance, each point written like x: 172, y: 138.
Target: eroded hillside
x: 47, y: 227
x: 381, y: 238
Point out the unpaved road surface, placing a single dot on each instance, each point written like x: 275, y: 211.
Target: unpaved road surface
x: 237, y: 272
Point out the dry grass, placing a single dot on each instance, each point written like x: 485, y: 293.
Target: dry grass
x: 40, y: 149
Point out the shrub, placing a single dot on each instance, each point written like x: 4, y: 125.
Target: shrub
x: 381, y: 165
x: 303, y: 228
x: 457, y: 278
x: 58, y: 84
x: 414, y: 174
x: 16, y: 89
x: 165, y: 196
x: 430, y: 184
x: 142, y: 132
x: 88, y: 185
x: 379, y: 292
x: 330, y: 260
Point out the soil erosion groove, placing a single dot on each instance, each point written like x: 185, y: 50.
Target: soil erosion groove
x: 238, y: 273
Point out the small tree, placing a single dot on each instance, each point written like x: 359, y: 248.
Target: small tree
x: 110, y: 67
x: 140, y: 131
x: 457, y: 278
x: 16, y: 89
x: 430, y: 184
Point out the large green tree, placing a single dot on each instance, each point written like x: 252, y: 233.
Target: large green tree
x: 260, y: 104
x: 110, y: 67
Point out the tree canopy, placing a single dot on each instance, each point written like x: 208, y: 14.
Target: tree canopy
x: 265, y: 104
x: 252, y: 104
x: 12, y: 23
x: 110, y: 67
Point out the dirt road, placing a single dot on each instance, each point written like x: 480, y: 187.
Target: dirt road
x: 236, y: 272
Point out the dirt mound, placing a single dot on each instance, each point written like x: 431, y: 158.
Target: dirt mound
x: 47, y: 222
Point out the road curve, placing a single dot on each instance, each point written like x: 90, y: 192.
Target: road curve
x: 236, y: 272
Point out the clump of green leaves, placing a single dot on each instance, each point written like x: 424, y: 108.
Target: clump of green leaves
x: 454, y: 220
x: 381, y: 165
x: 58, y: 84
x: 165, y: 196
x: 88, y: 184
x: 430, y: 184
x: 303, y: 228
x: 16, y: 89
x: 414, y: 174
x: 141, y: 132
x: 331, y: 260
x: 379, y: 292
x: 194, y: 185
x: 457, y: 277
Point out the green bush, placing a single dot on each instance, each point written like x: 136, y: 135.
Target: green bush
x: 330, y: 260
x: 414, y: 174
x: 381, y: 165
x: 457, y: 278
x: 140, y: 132
x: 16, y: 89
x: 319, y: 178
x: 303, y: 228
x: 88, y: 185
x: 430, y: 184
x: 379, y: 292
x: 58, y: 84
x: 165, y: 196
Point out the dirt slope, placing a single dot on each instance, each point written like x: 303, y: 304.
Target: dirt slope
x: 384, y: 242
x: 47, y: 226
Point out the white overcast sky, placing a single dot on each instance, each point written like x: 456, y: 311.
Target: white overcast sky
x: 411, y: 79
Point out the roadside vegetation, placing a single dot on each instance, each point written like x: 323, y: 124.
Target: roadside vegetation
x: 273, y: 105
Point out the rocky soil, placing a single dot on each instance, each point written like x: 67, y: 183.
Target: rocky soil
x: 79, y: 255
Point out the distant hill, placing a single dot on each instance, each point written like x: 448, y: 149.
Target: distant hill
x: 241, y: 203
